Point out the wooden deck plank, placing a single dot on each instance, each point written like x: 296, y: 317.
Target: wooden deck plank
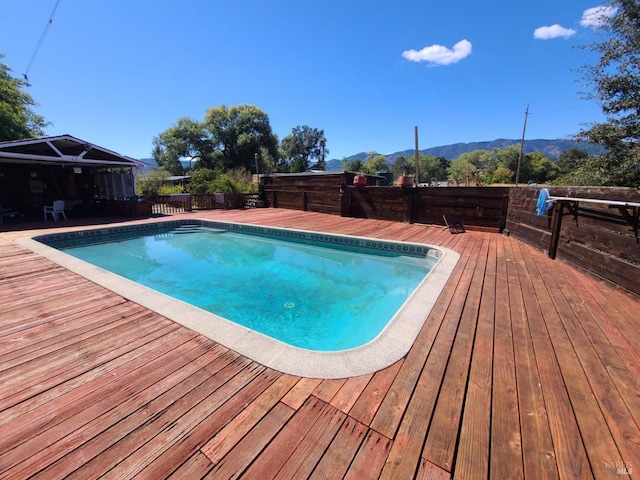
x: 347, y: 396
x: 29, y: 378
x: 554, y: 369
x: 267, y: 465
x: 506, y: 438
x: 603, y: 367
x: 197, y: 466
x: 616, y: 325
x: 374, y: 393
x: 370, y: 458
x: 22, y: 381
x: 537, y: 445
x: 328, y: 389
x: 409, y: 440
x: 392, y: 409
x: 75, y: 386
x: 299, y: 394
x: 137, y: 436
x: 237, y: 460
x: 472, y: 457
x: 601, y: 447
x: 570, y: 455
x: 216, y: 448
x: 105, y: 388
x: 303, y: 459
x: 46, y: 338
x: 430, y: 471
x: 340, y: 453
x: 94, y: 429
x: 190, y: 432
x: 443, y: 432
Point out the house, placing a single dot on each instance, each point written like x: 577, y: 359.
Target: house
x: 35, y: 172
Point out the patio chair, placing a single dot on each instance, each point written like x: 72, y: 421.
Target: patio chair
x: 454, y: 222
x: 55, y: 210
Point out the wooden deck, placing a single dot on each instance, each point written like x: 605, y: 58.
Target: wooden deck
x: 525, y: 368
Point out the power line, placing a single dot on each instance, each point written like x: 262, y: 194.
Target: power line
x: 44, y: 34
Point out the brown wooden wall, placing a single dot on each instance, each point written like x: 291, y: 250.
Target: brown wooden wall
x: 484, y: 207
x: 477, y: 206
x: 600, y: 240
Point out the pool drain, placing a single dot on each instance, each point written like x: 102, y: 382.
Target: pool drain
x: 289, y: 305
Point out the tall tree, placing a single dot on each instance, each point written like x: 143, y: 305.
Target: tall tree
x: 187, y: 139
x: 616, y: 86
x: 375, y: 163
x: 570, y: 160
x: 302, y: 145
x: 17, y: 119
x: 239, y: 132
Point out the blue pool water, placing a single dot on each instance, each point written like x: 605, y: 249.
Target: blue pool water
x: 301, y: 291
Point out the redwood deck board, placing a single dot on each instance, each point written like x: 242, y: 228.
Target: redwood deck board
x: 472, y: 458
x: 525, y: 368
x: 506, y: 437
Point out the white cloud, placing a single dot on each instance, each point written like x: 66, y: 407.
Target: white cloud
x: 439, y: 55
x: 554, y: 31
x: 595, y: 17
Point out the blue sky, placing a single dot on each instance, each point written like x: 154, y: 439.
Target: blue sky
x: 116, y: 73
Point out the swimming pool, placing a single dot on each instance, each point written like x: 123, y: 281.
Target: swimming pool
x: 318, y: 348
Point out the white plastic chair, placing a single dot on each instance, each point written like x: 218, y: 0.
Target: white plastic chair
x: 55, y: 210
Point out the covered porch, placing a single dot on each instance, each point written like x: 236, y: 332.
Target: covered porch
x: 91, y: 180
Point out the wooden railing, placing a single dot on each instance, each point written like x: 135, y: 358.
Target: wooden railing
x: 180, y: 203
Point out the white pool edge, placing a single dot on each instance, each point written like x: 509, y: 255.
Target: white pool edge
x: 389, y: 346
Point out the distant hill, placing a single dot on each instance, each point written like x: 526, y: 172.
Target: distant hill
x: 551, y: 148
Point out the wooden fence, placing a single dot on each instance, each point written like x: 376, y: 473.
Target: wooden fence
x: 597, y: 238
x: 481, y: 207
x: 170, y: 204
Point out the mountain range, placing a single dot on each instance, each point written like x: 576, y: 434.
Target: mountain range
x: 550, y: 148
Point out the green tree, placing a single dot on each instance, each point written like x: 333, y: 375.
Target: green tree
x: 17, y: 119
x: 616, y: 87
x: 304, y: 144
x: 187, y: 139
x: 375, y: 163
x: 542, y: 168
x: 431, y: 168
x: 509, y: 157
x: 502, y: 175
x: 461, y: 170
x: 569, y: 160
x: 402, y: 166
x: 148, y: 184
x: 239, y: 132
x: 355, y: 165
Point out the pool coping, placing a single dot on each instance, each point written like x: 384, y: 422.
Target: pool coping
x: 389, y: 346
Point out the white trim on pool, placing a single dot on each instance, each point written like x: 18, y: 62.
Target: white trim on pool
x: 389, y: 346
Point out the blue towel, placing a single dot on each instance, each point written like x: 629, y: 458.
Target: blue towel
x: 542, y: 205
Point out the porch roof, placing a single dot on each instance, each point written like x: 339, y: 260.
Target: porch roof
x: 62, y: 150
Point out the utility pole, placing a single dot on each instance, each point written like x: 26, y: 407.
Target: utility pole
x: 417, y: 162
x: 526, y: 114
